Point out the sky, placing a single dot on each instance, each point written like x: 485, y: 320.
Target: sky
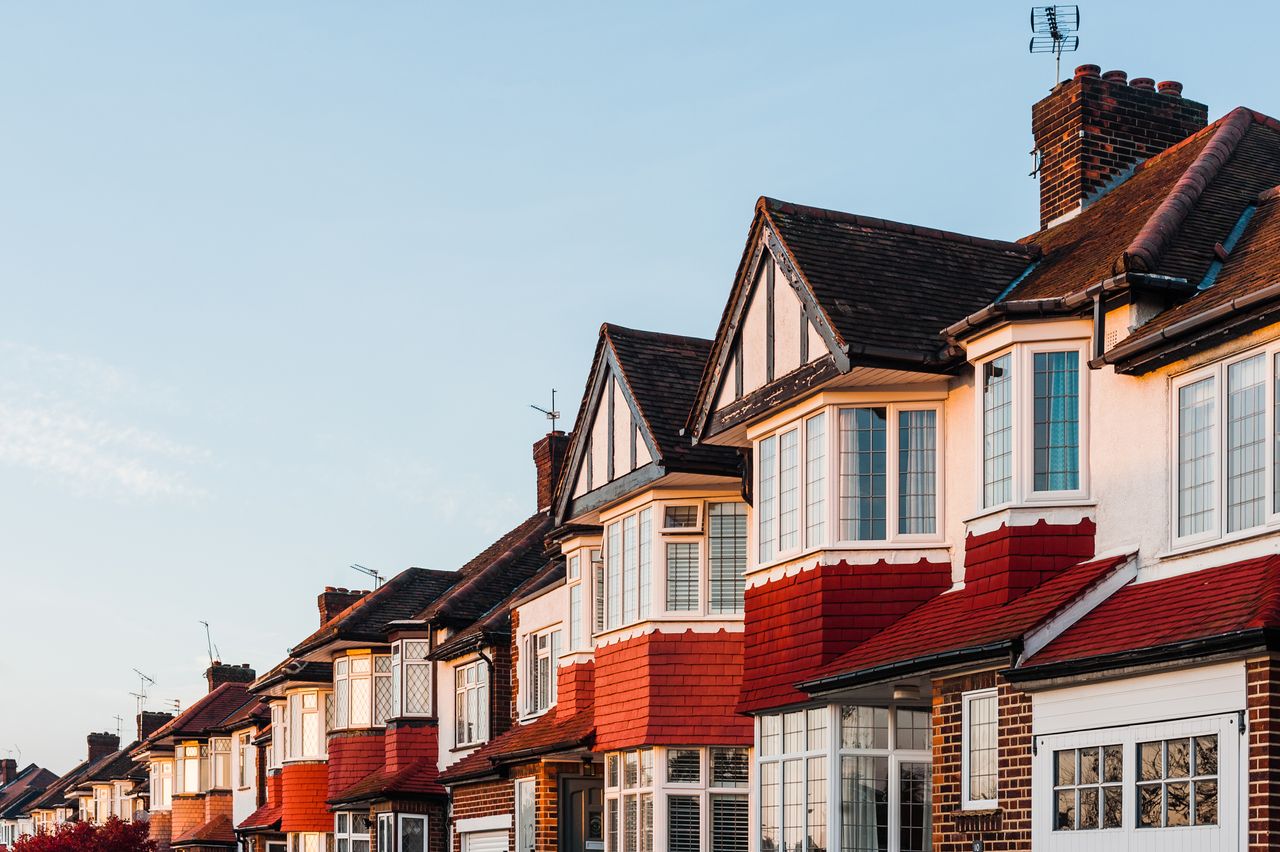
x: 280, y: 280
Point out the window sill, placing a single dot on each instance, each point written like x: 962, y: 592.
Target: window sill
x: 467, y: 747
x: 1220, y: 542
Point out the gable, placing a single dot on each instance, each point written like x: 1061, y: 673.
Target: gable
x: 616, y: 441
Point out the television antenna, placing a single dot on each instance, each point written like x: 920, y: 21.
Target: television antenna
x: 1053, y: 29
x: 119, y: 725
x: 378, y: 579
x: 144, y: 680
x: 214, y: 653
x: 552, y: 414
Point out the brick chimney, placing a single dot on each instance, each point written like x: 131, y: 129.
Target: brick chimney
x: 220, y: 673
x: 101, y: 745
x: 333, y: 601
x: 150, y: 721
x: 8, y: 770
x: 1093, y: 129
x: 548, y: 455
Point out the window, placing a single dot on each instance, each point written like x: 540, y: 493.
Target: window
x: 766, y: 498
x: 597, y: 585
x: 413, y: 833
x: 917, y: 472
x: 997, y: 431
x: 629, y: 782
x: 410, y: 683
x: 541, y: 650
x: 1088, y: 790
x: 190, y: 773
x: 362, y: 690
x: 1178, y: 782
x: 279, y: 732
x: 862, y: 474
x: 351, y: 831
x: 680, y: 518
x: 1056, y: 420
x: 471, y: 703
x: 706, y: 808
x: 310, y: 842
x: 526, y: 815
x: 221, y: 747
x: 575, y: 615
x: 244, y: 760
x: 161, y: 785
x: 815, y: 495
x: 980, y: 754
x: 306, y: 734
x: 386, y: 832
x: 629, y: 569
x: 727, y: 555
x: 683, y: 577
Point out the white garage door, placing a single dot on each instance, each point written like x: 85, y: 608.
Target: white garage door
x: 485, y: 841
x: 1161, y: 787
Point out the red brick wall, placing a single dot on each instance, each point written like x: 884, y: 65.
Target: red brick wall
x: 501, y: 692
x: 217, y: 803
x: 1005, y: 563
x: 187, y: 813
x: 796, y: 625
x: 670, y: 689
x: 353, y: 755
x: 1263, y: 686
x: 273, y: 786
x: 513, y: 656
x: 160, y: 829
x: 303, y: 787
x: 1008, y: 827
x: 575, y: 688
x: 486, y: 798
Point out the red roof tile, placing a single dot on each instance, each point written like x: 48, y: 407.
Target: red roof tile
x: 544, y: 735
x: 211, y: 711
x: 215, y: 832
x: 1205, y: 604
x: 420, y: 777
x: 959, y: 621
x: 265, y: 818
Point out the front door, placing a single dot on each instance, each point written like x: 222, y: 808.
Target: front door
x: 582, y: 814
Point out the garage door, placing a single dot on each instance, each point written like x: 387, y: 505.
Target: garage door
x: 485, y: 841
x: 1161, y: 787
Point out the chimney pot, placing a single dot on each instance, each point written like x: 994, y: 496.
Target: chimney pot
x: 1170, y: 87
x: 1116, y: 76
x: 220, y: 673
x: 1144, y: 83
x: 1088, y: 71
x: 102, y: 744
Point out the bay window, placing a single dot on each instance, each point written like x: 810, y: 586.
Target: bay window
x: 1226, y: 481
x: 705, y: 799
x: 279, y: 732
x: 190, y: 774
x: 362, y: 689
x: 1030, y: 404
x: 629, y: 801
x: 883, y: 461
x: 629, y: 568
x: 471, y: 703
x: 305, y: 739
x: 161, y: 785
x: 221, y: 749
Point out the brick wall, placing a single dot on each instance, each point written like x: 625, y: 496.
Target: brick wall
x: 303, y: 788
x: 186, y: 814
x: 1008, y: 827
x: 1262, y: 679
x: 513, y: 655
x: 670, y: 689
x: 486, y: 798
x: 217, y: 803
x: 353, y: 755
x: 501, y: 694
x: 797, y: 624
x: 1005, y: 563
x: 410, y: 740
x: 160, y: 829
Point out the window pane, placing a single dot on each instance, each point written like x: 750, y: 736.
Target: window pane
x: 817, y: 807
x: 682, y: 576
x: 767, y: 498
x: 815, y: 479
x: 727, y: 555
x: 1206, y: 802
x: 864, y: 804
x: 1056, y: 420
x: 914, y: 807
x: 684, y: 766
x: 729, y: 820
x: 630, y: 571
x: 613, y: 582
x: 729, y: 767
x: 1206, y: 755
x: 917, y: 472
x: 1066, y: 810
x: 1246, y: 443
x: 1196, y: 457
x: 980, y: 746
x: 864, y: 727
x: 997, y: 431
x: 913, y: 729
x: 862, y: 474
x: 646, y: 561
x: 793, y: 810
x: 598, y: 592
x: 770, y: 799
x: 684, y: 824
x: 770, y: 734
x: 789, y: 490
x: 680, y: 517
x: 575, y: 616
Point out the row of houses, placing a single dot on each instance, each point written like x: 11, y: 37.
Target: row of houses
x: 940, y: 543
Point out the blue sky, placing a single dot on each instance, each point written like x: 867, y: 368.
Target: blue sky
x: 281, y: 280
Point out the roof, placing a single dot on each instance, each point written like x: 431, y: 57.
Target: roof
x: 252, y: 713
x: 366, y: 620
x: 208, y: 713
x: 1230, y: 600
x: 960, y: 624
x: 112, y: 767
x: 294, y: 671
x: 18, y: 794
x: 496, y: 623
x: 265, y: 818
x: 418, y: 778
x: 547, y: 734
x: 216, y: 832
x: 54, y: 795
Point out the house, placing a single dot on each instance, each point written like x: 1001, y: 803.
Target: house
x: 613, y: 744
x: 1012, y: 527
x: 18, y: 789
x: 196, y: 772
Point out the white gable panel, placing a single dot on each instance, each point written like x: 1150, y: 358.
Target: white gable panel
x: 754, y: 337
x: 581, y: 486
x: 788, y: 326
x: 642, y: 450
x: 622, y: 430
x: 600, y: 439
x: 817, y: 346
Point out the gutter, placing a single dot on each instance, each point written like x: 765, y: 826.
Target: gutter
x: 875, y: 674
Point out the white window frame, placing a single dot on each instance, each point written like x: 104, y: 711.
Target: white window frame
x: 615, y: 797
x: 220, y: 763
x: 295, y: 745
x: 696, y: 529
x: 244, y: 758
x: 1022, y: 490
x: 401, y: 664
x: 385, y: 830
x: 345, y: 835
x: 1217, y: 533
x: 531, y: 654
x: 968, y: 803
x: 523, y: 842
x: 462, y: 692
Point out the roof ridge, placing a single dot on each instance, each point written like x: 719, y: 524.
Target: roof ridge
x: 1144, y: 251
x: 766, y: 204
x: 609, y: 328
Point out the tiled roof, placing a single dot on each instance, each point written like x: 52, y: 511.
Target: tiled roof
x: 491, y: 575
x: 294, y: 671
x: 958, y: 622
x: 547, y: 734
x: 54, y: 796
x: 252, y: 713
x: 418, y: 778
x: 211, y: 711
x: 889, y: 285
x: 216, y: 832
x: 18, y: 794
x: 496, y: 623
x: 265, y: 818
x: 1204, y: 604
x: 112, y: 767
x: 401, y: 597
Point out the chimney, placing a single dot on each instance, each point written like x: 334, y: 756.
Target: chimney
x: 8, y: 770
x: 150, y: 721
x: 220, y: 673
x: 548, y: 455
x: 1093, y: 129
x: 101, y: 745
x: 333, y: 601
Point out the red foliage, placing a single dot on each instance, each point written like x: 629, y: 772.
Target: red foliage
x: 114, y: 836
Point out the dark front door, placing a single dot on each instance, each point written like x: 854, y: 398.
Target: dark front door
x: 582, y: 814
